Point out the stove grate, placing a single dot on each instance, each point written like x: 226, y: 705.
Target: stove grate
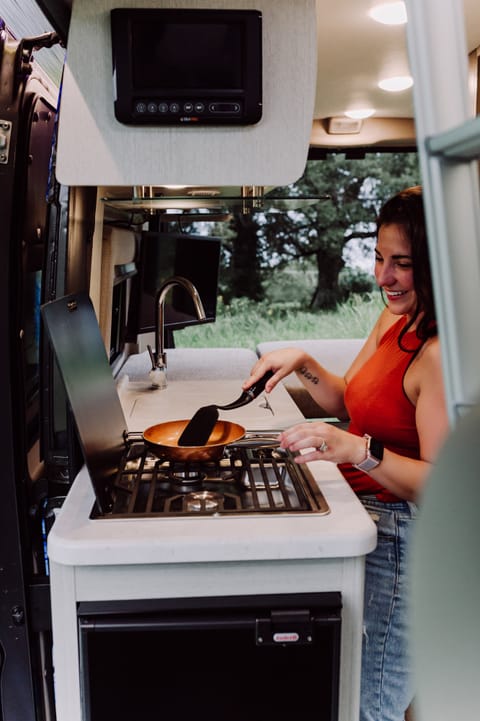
x: 260, y: 478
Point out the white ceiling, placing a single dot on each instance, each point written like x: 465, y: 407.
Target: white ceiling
x: 355, y: 52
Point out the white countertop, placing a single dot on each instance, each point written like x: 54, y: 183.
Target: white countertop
x: 144, y: 406
x: 199, y: 377
x: 346, y: 531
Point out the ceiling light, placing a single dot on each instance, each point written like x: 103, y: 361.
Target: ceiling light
x: 343, y: 126
x: 394, y: 85
x: 389, y: 13
x: 360, y: 114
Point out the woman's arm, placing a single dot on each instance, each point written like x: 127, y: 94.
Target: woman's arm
x: 326, y: 388
x: 424, y: 386
x: 402, y: 476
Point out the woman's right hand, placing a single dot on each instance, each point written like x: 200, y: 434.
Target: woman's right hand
x: 281, y: 362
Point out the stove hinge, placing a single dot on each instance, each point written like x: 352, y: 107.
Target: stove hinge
x: 285, y: 627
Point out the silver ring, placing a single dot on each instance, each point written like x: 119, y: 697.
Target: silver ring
x: 323, y: 447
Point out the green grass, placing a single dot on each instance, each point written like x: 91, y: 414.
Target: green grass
x: 244, y: 324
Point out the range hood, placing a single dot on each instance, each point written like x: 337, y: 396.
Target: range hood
x: 205, y: 203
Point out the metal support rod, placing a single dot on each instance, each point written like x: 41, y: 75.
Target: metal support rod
x: 460, y: 143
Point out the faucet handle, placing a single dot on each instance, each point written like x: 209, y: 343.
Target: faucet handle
x: 152, y: 357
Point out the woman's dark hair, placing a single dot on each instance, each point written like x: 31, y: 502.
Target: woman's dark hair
x: 405, y: 209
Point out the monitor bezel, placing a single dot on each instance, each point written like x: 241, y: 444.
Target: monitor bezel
x: 127, y: 93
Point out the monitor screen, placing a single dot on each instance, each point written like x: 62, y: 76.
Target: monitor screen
x: 187, y: 66
x: 176, y: 55
x: 165, y: 255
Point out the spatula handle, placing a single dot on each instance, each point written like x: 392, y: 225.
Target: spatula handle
x: 259, y: 386
x: 248, y: 395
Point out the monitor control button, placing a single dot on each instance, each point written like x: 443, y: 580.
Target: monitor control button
x: 140, y: 108
x: 152, y: 107
x: 224, y: 108
x: 174, y: 108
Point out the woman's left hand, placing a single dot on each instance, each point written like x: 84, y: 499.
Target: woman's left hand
x: 324, y: 441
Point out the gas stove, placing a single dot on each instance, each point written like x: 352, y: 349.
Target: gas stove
x: 254, y: 475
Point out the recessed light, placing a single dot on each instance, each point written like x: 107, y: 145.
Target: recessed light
x: 394, y: 13
x: 395, y: 85
x: 360, y: 114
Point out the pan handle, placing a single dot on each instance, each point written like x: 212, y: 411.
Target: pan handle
x: 253, y: 439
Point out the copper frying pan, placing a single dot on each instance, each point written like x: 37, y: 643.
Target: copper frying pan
x: 162, y: 439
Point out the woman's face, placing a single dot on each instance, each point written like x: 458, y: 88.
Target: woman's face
x: 394, y: 269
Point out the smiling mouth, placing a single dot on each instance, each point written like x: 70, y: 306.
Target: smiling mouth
x: 395, y: 293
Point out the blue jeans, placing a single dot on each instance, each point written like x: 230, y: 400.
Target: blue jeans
x: 386, y: 685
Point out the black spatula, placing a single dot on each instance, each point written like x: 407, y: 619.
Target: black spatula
x: 199, y: 428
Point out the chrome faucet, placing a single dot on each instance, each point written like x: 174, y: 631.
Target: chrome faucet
x: 159, y: 358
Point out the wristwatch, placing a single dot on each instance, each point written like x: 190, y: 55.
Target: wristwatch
x: 374, y: 454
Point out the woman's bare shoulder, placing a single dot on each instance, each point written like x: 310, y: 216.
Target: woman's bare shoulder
x: 430, y: 355
x: 424, y: 376
x: 426, y: 369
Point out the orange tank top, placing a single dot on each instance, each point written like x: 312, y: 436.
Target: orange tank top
x: 377, y: 405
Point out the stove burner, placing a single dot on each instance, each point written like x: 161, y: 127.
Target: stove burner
x: 253, y: 476
x: 203, y: 501
x: 187, y: 478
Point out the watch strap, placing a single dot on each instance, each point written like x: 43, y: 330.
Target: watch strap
x: 374, y: 454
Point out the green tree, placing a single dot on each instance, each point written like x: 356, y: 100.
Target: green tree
x: 245, y: 266
x: 349, y: 192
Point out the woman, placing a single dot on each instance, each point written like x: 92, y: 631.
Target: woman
x: 393, y: 395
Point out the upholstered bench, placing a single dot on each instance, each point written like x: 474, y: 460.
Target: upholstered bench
x: 195, y: 364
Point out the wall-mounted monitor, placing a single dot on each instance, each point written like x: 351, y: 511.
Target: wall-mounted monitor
x: 185, y: 66
x: 163, y: 255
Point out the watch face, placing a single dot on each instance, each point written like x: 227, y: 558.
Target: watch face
x: 376, y: 449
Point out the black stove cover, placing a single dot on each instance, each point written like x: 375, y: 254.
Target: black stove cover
x: 75, y: 336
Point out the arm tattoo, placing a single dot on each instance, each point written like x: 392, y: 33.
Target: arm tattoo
x: 309, y: 376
